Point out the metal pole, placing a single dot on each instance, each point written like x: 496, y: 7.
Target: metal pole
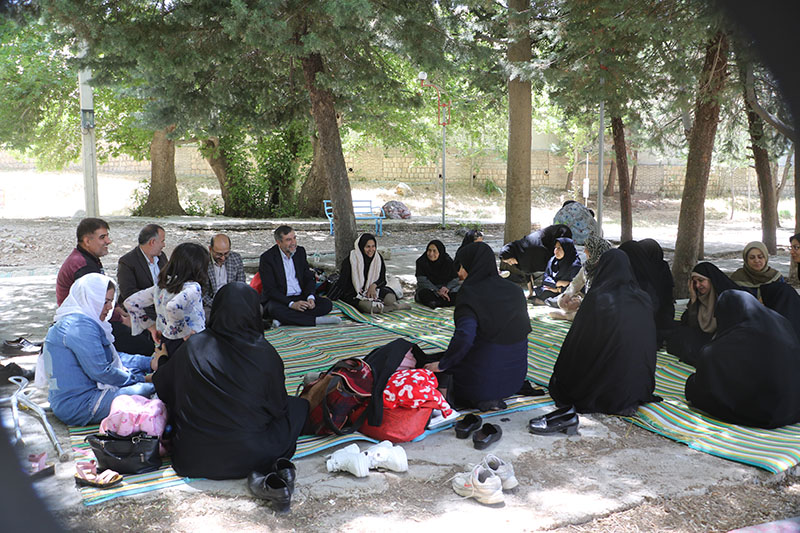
x: 600, y: 169
x: 444, y: 175
x: 89, y: 149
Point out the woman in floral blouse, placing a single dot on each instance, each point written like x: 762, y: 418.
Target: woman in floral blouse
x: 178, y: 299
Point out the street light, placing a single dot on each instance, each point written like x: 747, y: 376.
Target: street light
x: 443, y: 117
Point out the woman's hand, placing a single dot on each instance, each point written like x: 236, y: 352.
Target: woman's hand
x: 148, y: 378
x: 562, y: 283
x: 155, y: 334
x: 372, y: 291
x: 433, y: 367
x: 191, y: 332
x: 444, y: 292
x: 511, y: 261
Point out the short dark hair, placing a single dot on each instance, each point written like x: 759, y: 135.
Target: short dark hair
x: 795, y: 237
x: 111, y: 286
x: 189, y: 262
x: 211, y: 242
x: 282, y: 230
x: 87, y: 226
x: 148, y: 232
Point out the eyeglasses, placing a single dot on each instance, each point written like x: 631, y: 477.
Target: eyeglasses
x: 796, y: 247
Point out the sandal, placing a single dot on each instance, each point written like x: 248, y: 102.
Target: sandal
x: 86, y: 476
x: 39, y: 467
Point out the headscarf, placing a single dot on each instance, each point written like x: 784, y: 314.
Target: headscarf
x: 533, y: 251
x: 561, y: 267
x: 705, y: 304
x: 498, y: 304
x: 364, y: 270
x: 87, y: 296
x: 235, y: 316
x: 747, y: 277
x: 439, y: 272
x: 470, y: 236
x: 595, y: 247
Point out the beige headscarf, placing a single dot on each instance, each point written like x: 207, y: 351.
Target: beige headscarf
x: 705, y: 304
x: 747, y: 277
x: 357, y: 260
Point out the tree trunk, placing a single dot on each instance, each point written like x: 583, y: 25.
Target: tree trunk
x: 518, y: 169
x: 635, y: 171
x: 698, y: 162
x: 315, y: 186
x: 218, y: 162
x: 766, y: 187
x: 625, y: 211
x: 782, y: 184
x: 612, y: 171
x: 162, y: 199
x: 331, y: 157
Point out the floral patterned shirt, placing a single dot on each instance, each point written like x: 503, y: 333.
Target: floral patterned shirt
x: 177, y: 315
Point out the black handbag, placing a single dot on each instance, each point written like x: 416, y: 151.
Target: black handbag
x: 134, y: 454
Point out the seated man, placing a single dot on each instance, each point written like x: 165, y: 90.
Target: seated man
x: 138, y: 270
x: 288, y: 284
x: 225, y: 267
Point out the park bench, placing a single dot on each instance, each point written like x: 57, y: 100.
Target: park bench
x: 363, y: 210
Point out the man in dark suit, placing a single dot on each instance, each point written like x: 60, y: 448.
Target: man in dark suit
x: 138, y: 270
x: 288, y: 284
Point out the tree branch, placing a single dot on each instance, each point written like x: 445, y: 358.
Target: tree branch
x: 765, y: 115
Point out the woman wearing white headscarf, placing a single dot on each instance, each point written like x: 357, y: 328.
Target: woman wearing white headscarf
x: 84, y: 371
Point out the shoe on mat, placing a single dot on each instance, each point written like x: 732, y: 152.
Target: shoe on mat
x: 479, y: 483
x: 86, y: 476
x: 502, y: 469
x: 387, y: 456
x: 349, y: 459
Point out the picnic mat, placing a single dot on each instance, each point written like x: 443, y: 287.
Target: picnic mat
x: 131, y: 484
x: 773, y: 450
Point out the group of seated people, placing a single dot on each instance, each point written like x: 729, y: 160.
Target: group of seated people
x: 224, y: 384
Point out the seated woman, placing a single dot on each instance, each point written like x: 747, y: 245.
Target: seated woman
x: 437, y: 282
x: 570, y: 300
x: 655, y: 278
x: 748, y: 373
x: 531, y: 253
x: 697, y: 325
x: 84, y: 370
x: 362, y: 279
x: 607, y: 362
x: 178, y: 298
x: 767, y: 284
x: 487, y: 358
x: 579, y: 218
x: 225, y: 391
x: 561, y: 269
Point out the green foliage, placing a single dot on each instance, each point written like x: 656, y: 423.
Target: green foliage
x: 490, y: 187
x: 139, y: 197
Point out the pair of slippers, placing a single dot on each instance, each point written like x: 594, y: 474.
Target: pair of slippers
x: 39, y: 467
x: 483, y: 435
x: 86, y: 476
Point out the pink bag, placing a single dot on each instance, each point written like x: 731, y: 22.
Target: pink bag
x: 132, y: 413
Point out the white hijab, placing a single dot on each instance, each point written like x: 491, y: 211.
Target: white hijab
x: 87, y: 296
x: 357, y: 270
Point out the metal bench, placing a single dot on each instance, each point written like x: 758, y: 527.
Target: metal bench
x: 363, y: 210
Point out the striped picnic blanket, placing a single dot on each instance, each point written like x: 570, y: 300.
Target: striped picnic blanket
x: 773, y: 450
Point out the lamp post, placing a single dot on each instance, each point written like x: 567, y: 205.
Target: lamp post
x: 443, y: 116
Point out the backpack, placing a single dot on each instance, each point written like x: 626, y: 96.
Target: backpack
x: 335, y: 396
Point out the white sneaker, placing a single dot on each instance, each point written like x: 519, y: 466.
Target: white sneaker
x: 276, y: 324
x: 480, y: 483
x: 438, y: 419
x: 388, y: 456
x: 501, y: 469
x: 349, y: 459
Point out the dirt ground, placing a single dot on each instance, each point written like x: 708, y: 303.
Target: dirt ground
x: 613, y: 477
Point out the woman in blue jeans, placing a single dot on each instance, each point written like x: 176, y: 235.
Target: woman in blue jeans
x: 84, y: 371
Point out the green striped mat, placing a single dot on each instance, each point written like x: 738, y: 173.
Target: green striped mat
x: 773, y: 450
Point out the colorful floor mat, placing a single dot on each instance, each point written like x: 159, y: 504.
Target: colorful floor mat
x: 773, y: 450
x: 131, y: 484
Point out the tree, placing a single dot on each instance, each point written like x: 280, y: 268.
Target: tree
x: 698, y: 164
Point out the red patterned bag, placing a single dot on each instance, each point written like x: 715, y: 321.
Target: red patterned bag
x: 335, y: 397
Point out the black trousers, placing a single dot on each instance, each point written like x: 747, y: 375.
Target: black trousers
x: 141, y: 344
x: 433, y: 300
x: 286, y: 315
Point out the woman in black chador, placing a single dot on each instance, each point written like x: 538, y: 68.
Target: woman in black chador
x: 437, y: 282
x: 607, y: 362
x: 655, y: 278
x: 531, y: 253
x: 225, y: 391
x: 748, y: 373
x: 697, y: 325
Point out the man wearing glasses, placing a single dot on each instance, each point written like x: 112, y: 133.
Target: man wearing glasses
x: 225, y: 267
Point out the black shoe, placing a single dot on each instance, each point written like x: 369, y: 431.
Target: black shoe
x: 13, y: 369
x: 271, y: 488
x: 491, y: 405
x: 567, y: 409
x: 286, y: 471
x: 487, y: 435
x: 566, y: 423
x: 467, y: 425
x: 20, y: 346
